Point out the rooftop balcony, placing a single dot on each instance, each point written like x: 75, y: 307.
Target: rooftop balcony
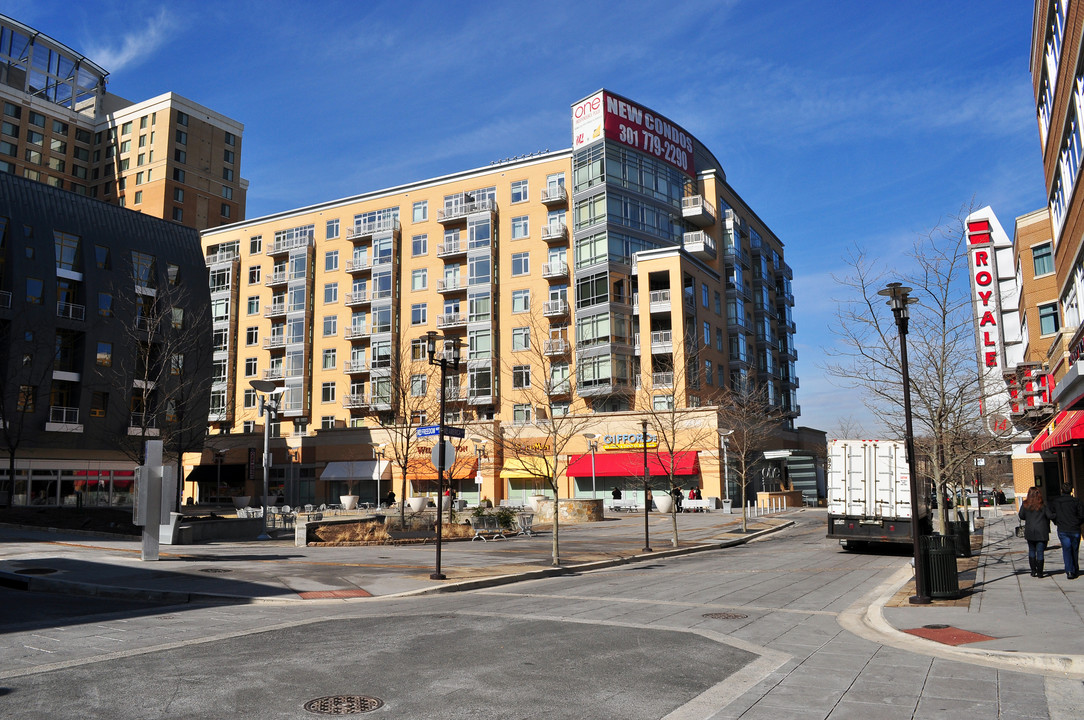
x: 365, y: 231
x: 555, y: 233
x: 554, y: 195
x: 700, y: 244
x: 698, y: 211
x: 458, y: 213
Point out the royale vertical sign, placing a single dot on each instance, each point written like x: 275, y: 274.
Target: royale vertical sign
x: 984, y: 289
x: 615, y: 118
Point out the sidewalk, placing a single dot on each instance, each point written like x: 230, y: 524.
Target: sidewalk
x: 1012, y: 620
x: 277, y: 571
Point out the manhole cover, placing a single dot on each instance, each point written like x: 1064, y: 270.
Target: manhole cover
x: 215, y: 570
x: 166, y: 617
x: 935, y: 626
x: 725, y: 616
x: 343, y: 704
x: 35, y: 571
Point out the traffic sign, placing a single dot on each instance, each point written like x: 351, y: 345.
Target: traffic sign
x: 449, y: 455
x: 455, y: 432
x: 428, y: 431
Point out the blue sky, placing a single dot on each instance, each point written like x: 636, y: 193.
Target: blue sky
x: 840, y: 123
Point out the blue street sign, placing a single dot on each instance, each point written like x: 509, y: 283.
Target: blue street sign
x: 454, y: 432
x: 429, y: 431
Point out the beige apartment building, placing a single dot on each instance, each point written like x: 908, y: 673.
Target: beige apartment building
x: 586, y: 282
x: 168, y: 156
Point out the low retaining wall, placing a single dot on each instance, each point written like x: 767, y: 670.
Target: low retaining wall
x: 180, y: 532
x: 571, y: 511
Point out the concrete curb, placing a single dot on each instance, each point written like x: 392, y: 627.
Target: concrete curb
x: 69, y: 587
x: 866, y: 619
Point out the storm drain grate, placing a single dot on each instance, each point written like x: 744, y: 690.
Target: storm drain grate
x: 725, y: 616
x: 343, y: 704
x: 215, y: 570
x: 35, y: 571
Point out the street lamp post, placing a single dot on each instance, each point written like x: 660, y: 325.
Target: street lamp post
x: 443, y: 362
x: 269, y: 407
x: 593, y: 444
x: 647, y: 489
x: 898, y: 299
x: 479, y: 453
x: 724, y: 436
x: 220, y: 455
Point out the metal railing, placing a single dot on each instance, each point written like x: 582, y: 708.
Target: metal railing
x: 452, y: 247
x: 71, y: 311
x: 64, y: 415
x: 358, y: 265
x: 556, y: 347
x: 356, y: 366
x: 457, y: 212
x: 554, y: 268
x: 142, y: 420
x: 554, y: 194
x: 451, y: 320
x: 552, y: 308
x: 554, y: 231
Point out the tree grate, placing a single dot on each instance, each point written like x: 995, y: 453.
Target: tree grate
x: 725, y: 616
x: 343, y: 704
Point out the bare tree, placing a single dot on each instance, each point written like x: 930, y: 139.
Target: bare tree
x: 25, y: 374
x: 676, y: 426
x: 947, y: 396
x: 753, y: 421
x: 162, y: 367
x: 548, y: 414
x: 413, y: 391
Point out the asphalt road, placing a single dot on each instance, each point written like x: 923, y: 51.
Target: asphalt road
x: 751, y: 631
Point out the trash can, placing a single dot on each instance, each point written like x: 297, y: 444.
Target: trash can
x: 961, y: 532
x: 941, y: 576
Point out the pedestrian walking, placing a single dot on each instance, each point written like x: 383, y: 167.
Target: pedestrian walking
x: 678, y: 497
x: 1068, y: 515
x: 1036, y: 519
x: 616, y: 492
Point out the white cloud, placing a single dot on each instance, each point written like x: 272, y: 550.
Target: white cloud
x: 135, y: 45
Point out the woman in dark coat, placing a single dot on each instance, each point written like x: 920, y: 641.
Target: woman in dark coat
x: 1036, y: 519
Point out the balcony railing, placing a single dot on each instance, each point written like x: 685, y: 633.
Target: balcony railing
x: 286, y: 244
x: 698, y: 211
x: 554, y: 195
x: 368, y: 229
x: 71, y: 311
x: 5, y: 298
x: 360, y: 297
x: 221, y: 257
x: 450, y: 248
x: 274, y: 279
x: 275, y: 373
x: 356, y: 366
x: 451, y: 320
x: 274, y: 341
x: 556, y: 347
x: 555, y: 308
x: 662, y: 379
x: 554, y: 232
x: 357, y: 332
x: 359, y: 265
x: 274, y: 310
x: 381, y: 294
x: 461, y: 211
x: 450, y: 285
x: 555, y: 269
x: 64, y: 415
x: 700, y: 244
x: 353, y: 402
x: 143, y: 420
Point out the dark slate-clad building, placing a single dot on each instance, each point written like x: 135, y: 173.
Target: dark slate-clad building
x: 104, y: 343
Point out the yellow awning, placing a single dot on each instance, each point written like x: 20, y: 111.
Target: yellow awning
x: 527, y: 467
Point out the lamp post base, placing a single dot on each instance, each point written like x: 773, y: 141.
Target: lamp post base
x: 919, y: 600
x: 263, y: 536
x: 647, y: 549
x: 438, y: 576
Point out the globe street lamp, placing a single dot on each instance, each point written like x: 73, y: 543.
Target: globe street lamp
x: 593, y: 444
x: 443, y: 361
x: 647, y: 489
x: 724, y: 436
x: 898, y: 299
x: 269, y: 408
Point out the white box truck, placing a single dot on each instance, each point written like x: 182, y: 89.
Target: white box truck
x: 869, y: 493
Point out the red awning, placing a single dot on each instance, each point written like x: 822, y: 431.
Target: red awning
x: 1068, y: 430
x: 632, y: 464
x: 1040, y: 440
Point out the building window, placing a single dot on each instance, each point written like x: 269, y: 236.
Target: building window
x: 178, y: 175
x: 521, y: 338
x: 521, y: 301
x: 227, y: 156
x: 105, y: 304
x: 418, y: 385
x: 520, y: 191
x: 227, y: 174
x: 521, y: 414
x: 421, y: 211
x: 252, y: 336
x: 704, y: 294
x: 520, y: 227
x: 418, y: 314
x: 251, y: 367
x: 251, y: 399
x: 331, y: 230
x: 331, y: 293
x: 182, y: 118
x: 1048, y: 319
x: 178, y: 214
x: 225, y: 211
x: 99, y: 401
x: 104, y: 357
x: 331, y: 261
x: 231, y: 139
x: 34, y: 291
x: 663, y: 402
x: 328, y: 359
x: 327, y: 422
x: 521, y: 377
x: 181, y: 136
x: 331, y: 325
x: 1042, y: 257
x: 25, y: 402
x: 254, y: 275
x: 419, y: 245
x: 327, y: 392
x: 419, y: 279
x: 521, y: 263
x: 707, y: 335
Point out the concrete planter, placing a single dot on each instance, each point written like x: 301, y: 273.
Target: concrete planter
x: 241, y: 501
x: 417, y: 504
x: 664, y: 502
x: 349, y: 501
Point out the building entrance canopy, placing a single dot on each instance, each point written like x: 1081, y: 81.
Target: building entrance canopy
x: 632, y: 464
